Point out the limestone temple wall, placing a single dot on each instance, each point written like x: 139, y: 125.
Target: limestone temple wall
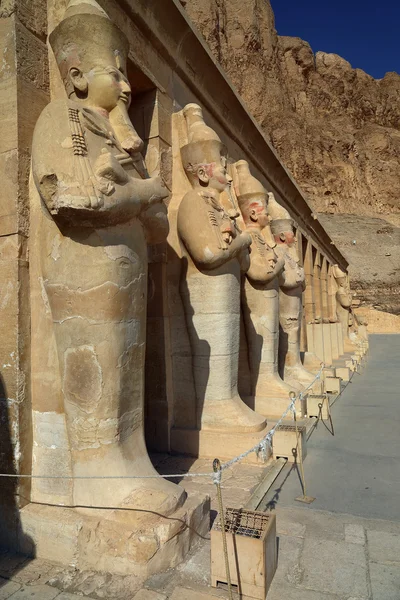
x: 169, y: 67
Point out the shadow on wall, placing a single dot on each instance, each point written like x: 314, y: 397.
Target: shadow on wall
x: 12, y: 536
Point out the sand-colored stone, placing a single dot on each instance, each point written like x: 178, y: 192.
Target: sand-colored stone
x: 291, y: 287
x: 117, y: 541
x: 214, y: 253
x: 260, y: 298
x: 90, y: 207
x: 343, y: 373
x: 93, y: 211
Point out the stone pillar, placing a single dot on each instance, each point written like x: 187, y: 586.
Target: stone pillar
x: 324, y: 290
x: 317, y: 287
x: 310, y: 359
x: 301, y: 241
x: 309, y: 302
x: 24, y: 91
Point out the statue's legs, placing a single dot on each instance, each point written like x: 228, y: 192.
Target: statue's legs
x: 261, y: 316
x: 343, y: 315
x: 98, y: 307
x: 290, y: 318
x: 212, y: 307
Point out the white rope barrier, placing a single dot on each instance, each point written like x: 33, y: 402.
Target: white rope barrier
x: 259, y: 448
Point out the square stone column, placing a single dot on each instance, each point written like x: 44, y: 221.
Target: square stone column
x: 24, y: 91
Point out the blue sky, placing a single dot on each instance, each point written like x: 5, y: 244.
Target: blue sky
x: 364, y: 32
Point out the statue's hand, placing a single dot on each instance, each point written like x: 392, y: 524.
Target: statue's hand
x: 108, y: 167
x: 245, y: 239
x: 158, y: 189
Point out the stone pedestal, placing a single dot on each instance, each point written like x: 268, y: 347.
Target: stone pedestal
x: 327, y: 341
x: 316, y: 337
x: 217, y: 444
x: 343, y: 373
x: 334, y: 340
x: 124, y: 542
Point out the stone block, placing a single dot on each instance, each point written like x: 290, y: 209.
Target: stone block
x: 318, y: 406
x: 328, y: 372
x: 34, y: 16
x: 286, y: 443
x: 354, y: 534
x: 327, y: 340
x: 9, y: 191
x: 332, y: 385
x: 318, y: 340
x: 68, y: 596
x: 181, y: 593
x: 8, y: 110
x: 334, y: 567
x: 36, y: 592
x: 383, y: 546
x: 385, y: 581
x: 334, y: 340
x: 289, y: 553
x: 251, y: 546
x: 343, y: 373
x: 32, y: 61
x: 7, y: 588
x: 281, y: 591
x: 125, y: 543
x: 149, y: 595
x: 211, y: 444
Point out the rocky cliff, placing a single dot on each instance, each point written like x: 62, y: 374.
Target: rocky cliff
x: 336, y: 128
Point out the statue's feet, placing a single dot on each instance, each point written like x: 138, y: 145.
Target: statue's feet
x: 231, y: 415
x: 311, y: 362
x: 273, y: 407
x: 140, y: 487
x: 273, y: 386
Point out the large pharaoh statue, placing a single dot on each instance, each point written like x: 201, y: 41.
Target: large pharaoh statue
x: 291, y: 287
x: 215, y: 253
x: 261, y: 297
x: 93, y: 212
x: 343, y: 306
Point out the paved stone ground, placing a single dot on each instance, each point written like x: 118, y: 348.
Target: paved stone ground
x: 344, y: 546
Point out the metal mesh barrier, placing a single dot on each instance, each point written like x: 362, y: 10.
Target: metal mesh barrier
x: 243, y: 522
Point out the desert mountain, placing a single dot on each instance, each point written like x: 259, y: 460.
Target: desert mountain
x: 336, y: 128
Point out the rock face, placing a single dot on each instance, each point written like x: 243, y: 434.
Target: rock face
x: 336, y: 128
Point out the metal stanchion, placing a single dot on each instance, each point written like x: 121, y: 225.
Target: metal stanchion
x: 217, y: 469
x: 299, y: 455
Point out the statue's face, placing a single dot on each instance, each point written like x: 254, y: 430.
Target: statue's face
x: 259, y: 211
x: 214, y: 175
x: 106, y: 86
x: 287, y: 238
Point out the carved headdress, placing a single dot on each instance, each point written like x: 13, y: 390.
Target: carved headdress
x: 204, y: 146
x: 338, y: 273
x: 248, y: 189
x: 86, y: 37
x: 281, y: 221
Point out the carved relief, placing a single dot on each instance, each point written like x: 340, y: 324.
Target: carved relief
x: 7, y: 7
